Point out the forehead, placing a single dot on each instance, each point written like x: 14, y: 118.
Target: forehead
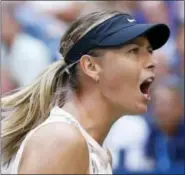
x: 141, y: 41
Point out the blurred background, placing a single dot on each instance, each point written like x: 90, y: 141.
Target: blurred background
x: 150, y: 143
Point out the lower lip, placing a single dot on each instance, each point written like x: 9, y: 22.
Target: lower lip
x: 147, y: 96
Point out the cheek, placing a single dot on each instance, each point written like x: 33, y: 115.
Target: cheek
x: 119, y: 83
x: 120, y: 78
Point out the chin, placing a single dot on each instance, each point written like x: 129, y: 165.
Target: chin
x: 142, y: 108
x: 138, y: 109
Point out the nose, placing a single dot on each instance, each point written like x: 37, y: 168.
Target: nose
x: 151, y: 64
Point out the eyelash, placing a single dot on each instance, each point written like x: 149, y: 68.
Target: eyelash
x: 150, y: 51
x: 134, y: 50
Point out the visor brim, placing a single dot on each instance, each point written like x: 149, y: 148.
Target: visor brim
x: 157, y: 34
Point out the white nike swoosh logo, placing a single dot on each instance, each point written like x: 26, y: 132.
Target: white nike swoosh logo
x: 131, y: 20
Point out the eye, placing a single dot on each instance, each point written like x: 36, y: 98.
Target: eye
x: 150, y: 50
x: 134, y: 50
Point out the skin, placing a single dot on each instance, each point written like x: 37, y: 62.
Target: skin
x: 109, y: 89
x: 60, y: 154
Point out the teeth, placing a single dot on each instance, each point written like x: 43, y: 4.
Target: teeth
x: 149, y: 80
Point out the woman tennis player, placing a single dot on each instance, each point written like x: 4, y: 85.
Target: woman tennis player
x: 57, y: 124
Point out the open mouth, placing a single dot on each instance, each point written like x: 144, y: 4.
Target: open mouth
x: 145, y: 85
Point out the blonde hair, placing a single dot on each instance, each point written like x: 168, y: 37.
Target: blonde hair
x: 30, y: 106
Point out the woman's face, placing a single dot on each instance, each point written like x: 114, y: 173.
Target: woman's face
x: 126, y: 74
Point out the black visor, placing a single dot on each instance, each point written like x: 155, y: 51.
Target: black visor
x: 117, y: 31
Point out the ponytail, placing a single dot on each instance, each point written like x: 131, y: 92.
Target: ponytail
x: 27, y: 108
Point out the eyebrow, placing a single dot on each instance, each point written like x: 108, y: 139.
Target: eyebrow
x: 139, y: 44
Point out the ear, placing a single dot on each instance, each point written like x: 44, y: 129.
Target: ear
x: 90, y: 67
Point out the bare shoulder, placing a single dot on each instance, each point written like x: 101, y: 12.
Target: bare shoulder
x: 56, y: 148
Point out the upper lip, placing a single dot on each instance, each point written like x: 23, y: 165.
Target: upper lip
x: 149, y: 79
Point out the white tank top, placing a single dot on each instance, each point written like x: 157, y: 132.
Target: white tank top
x: 100, y: 161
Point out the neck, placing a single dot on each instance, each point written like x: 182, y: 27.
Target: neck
x: 93, y: 112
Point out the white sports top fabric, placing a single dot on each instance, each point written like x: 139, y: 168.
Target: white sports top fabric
x: 99, y: 162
